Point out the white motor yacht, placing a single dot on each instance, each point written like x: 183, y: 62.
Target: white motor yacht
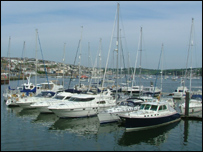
x: 42, y: 106
x: 84, y: 105
x: 27, y: 101
x: 195, y: 105
x: 180, y: 92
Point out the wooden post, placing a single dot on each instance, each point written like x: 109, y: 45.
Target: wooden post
x: 187, y: 99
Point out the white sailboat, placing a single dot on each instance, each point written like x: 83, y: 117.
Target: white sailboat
x: 112, y: 114
x: 195, y: 105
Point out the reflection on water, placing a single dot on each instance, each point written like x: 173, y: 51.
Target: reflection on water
x: 109, y: 128
x: 27, y: 113
x: 81, y: 126
x: 45, y: 118
x: 186, y: 126
x: 154, y: 136
x: 15, y: 110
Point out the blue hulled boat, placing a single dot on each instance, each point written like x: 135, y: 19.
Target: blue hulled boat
x: 150, y: 115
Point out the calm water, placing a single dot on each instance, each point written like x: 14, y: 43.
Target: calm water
x: 25, y: 130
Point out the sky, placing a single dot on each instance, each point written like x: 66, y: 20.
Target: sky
x: 62, y: 24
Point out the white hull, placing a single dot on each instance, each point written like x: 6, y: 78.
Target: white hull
x: 11, y: 102
x: 194, y: 106
x: 108, y: 117
x: 78, y: 112
x: 192, y: 109
x: 178, y: 95
x: 25, y: 105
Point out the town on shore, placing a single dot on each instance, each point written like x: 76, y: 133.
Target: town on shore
x: 19, y: 66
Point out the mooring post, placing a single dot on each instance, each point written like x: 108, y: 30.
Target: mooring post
x: 187, y: 99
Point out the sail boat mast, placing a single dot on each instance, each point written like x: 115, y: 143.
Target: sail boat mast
x: 191, y: 43
x: 117, y: 44
x: 140, y: 59
x: 9, y: 45
x: 23, y: 61
x: 64, y: 62
x: 80, y: 54
x: 36, y: 59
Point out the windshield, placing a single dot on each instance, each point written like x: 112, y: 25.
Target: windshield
x: 142, y: 106
x: 44, y: 94
x: 147, y: 107
x: 58, y: 97
x: 81, y: 99
x: 154, y: 107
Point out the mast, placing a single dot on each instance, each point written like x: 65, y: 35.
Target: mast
x: 117, y: 44
x: 23, y: 61
x: 9, y: 56
x: 161, y: 64
x: 191, y: 43
x: 190, y: 51
x: 36, y: 59
x: 64, y: 62
x: 100, y: 49
x: 140, y: 59
x: 136, y: 62
x: 80, y: 55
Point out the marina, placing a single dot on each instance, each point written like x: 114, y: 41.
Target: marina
x: 97, y: 99
x: 27, y: 129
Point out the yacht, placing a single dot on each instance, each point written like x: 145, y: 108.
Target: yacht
x: 195, y: 104
x: 155, y: 91
x: 137, y: 90
x: 84, y: 105
x: 112, y: 114
x: 42, y: 106
x: 27, y: 101
x: 150, y: 115
x: 180, y: 92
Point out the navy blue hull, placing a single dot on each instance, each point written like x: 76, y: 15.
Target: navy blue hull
x: 143, y: 123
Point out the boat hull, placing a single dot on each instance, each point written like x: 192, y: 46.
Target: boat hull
x: 74, y: 113
x: 192, y: 109
x: 77, y: 112
x: 147, y: 123
x: 108, y: 117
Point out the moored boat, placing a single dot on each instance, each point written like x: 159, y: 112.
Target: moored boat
x: 83, y: 105
x: 150, y: 115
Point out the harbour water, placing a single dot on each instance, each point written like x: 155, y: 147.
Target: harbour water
x: 27, y: 130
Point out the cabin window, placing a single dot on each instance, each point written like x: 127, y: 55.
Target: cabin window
x: 101, y: 102
x: 81, y: 99
x: 130, y: 104
x: 59, y: 97
x: 161, y: 108
x: 67, y: 98
x: 154, y: 107
x: 142, y: 106
x: 147, y: 107
x: 164, y: 107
